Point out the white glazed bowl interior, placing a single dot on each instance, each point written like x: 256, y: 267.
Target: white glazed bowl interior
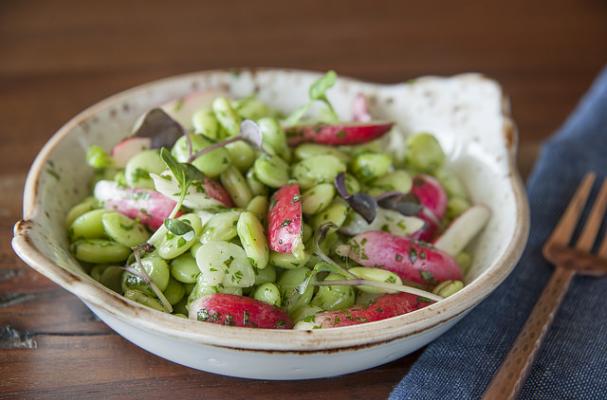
x: 467, y: 113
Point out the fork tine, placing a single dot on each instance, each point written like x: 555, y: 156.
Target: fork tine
x: 564, y: 230
x: 593, y: 223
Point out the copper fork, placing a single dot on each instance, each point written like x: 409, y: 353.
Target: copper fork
x: 568, y: 261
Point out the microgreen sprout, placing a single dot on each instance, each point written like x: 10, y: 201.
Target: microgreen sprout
x: 185, y: 174
x: 328, y: 265
x: 139, y: 271
x: 249, y: 132
x: 317, y: 92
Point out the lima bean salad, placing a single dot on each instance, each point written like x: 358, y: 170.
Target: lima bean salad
x: 228, y: 211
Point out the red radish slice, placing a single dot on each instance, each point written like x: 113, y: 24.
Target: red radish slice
x: 230, y: 309
x: 216, y: 191
x: 129, y: 147
x: 285, y: 220
x: 461, y: 231
x: 182, y: 109
x: 386, y: 306
x: 360, y: 109
x: 433, y: 197
x: 337, y: 134
x: 149, y: 206
x: 411, y: 260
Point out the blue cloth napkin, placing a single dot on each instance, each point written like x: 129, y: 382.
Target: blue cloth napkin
x: 572, y: 363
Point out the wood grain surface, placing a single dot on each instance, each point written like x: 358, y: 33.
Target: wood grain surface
x: 58, y: 57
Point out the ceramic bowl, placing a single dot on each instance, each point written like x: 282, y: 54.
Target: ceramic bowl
x: 468, y: 114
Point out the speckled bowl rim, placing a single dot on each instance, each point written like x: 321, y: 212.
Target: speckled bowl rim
x: 264, y: 340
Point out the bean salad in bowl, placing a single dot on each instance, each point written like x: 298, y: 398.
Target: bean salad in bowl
x: 226, y: 211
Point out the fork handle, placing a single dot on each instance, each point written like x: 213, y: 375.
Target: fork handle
x: 510, y: 377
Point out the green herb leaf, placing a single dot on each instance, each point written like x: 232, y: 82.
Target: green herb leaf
x: 192, y: 173
x: 174, y: 166
x: 319, y: 88
x: 177, y: 227
x: 317, y: 92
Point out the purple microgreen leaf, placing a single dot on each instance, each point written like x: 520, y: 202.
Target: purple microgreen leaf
x: 362, y: 203
x: 365, y: 205
x: 405, y: 204
x: 340, y: 185
x: 162, y: 130
x: 388, y: 287
x: 249, y: 132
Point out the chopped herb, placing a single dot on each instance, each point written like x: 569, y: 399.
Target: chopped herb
x: 245, y: 318
x: 228, y: 320
x: 53, y: 173
x: 127, y: 227
x: 202, y: 315
x: 140, y: 173
x: 427, y: 276
x: 412, y: 255
x: 422, y: 299
x: 391, y: 279
x: 228, y: 262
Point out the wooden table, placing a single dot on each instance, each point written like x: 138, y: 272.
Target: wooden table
x: 58, y: 57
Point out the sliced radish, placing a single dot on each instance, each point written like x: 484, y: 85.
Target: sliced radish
x: 461, y: 231
x: 129, y: 147
x: 411, y: 260
x: 241, y: 311
x: 433, y: 198
x: 216, y: 191
x: 285, y: 221
x: 337, y: 134
x: 149, y: 206
x: 386, y: 306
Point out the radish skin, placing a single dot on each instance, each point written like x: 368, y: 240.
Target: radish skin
x: 462, y: 230
x: 433, y: 197
x: 129, y: 147
x: 337, y: 134
x: 149, y: 206
x: 285, y: 221
x: 386, y: 306
x: 411, y: 260
x: 241, y: 311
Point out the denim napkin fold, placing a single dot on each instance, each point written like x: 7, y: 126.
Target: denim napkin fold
x: 572, y: 363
